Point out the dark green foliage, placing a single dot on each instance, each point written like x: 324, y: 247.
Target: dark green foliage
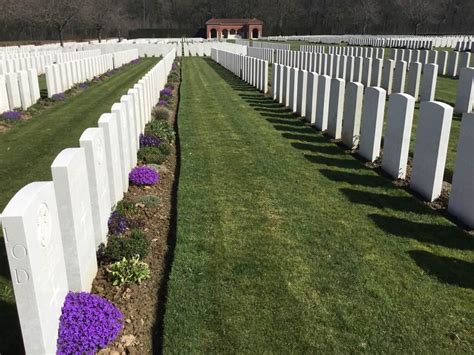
x: 161, y: 129
x: 161, y: 113
x: 120, y: 247
x: 151, y: 155
x: 165, y: 148
x: 149, y: 200
x: 125, y: 208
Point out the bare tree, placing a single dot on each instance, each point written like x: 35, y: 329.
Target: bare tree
x: 418, y: 12
x: 102, y: 14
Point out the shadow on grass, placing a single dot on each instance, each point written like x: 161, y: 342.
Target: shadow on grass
x: 447, y: 270
x: 448, y: 236
x: 11, y: 341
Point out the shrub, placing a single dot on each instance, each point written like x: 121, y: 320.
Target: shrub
x: 125, y: 208
x: 161, y: 129
x: 127, y: 247
x: 165, y: 149
x: 87, y: 323
x: 161, y: 113
x: 142, y: 175
x: 151, y: 155
x: 149, y: 140
x: 128, y: 271
x: 149, y: 200
x: 58, y: 97
x: 11, y: 116
x: 166, y: 92
x: 162, y: 103
x: 117, y: 223
x: 155, y: 167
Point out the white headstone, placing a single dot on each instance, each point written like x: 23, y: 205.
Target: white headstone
x: 387, y: 75
x: 397, y: 135
x: 312, y: 98
x: 431, y: 147
x: 372, y: 123
x: 399, y: 77
x: 428, y: 83
x: 461, y: 200
x: 414, y: 79
x: 34, y: 85
x: 108, y: 122
x: 119, y: 110
x: 322, y: 109
x: 293, y: 99
x: 35, y: 255
x: 13, y: 90
x: 352, y: 114
x: 4, y: 104
x: 302, y: 92
x: 336, y: 108
x: 465, y: 95
x: 75, y: 218
x: 24, y: 87
x: 93, y: 142
x: 127, y: 101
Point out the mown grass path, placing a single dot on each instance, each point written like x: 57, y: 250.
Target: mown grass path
x: 287, y: 244
x: 27, y: 151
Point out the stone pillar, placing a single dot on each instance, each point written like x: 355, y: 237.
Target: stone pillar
x: 336, y: 107
x: 431, y: 147
x: 428, y: 84
x: 352, y: 114
x: 461, y: 200
x: 372, y: 123
x: 397, y: 135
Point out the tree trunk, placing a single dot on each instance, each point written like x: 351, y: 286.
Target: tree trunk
x: 60, y: 34
x: 99, y: 33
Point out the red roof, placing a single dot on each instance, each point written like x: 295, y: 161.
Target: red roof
x: 234, y: 21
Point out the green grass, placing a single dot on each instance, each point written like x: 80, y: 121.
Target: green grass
x: 286, y: 244
x: 27, y: 151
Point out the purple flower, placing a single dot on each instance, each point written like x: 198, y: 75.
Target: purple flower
x: 142, y: 175
x: 58, y: 97
x: 87, y: 323
x: 11, y: 116
x: 162, y: 103
x: 173, y: 67
x: 135, y: 61
x: 148, y: 140
x: 117, y: 223
x: 83, y: 85
x: 166, y: 92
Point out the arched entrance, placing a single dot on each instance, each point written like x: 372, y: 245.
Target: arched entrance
x: 232, y: 32
x: 225, y: 34
x: 255, y: 33
x: 213, y: 33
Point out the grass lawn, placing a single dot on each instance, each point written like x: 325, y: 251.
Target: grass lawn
x: 27, y: 151
x: 287, y: 244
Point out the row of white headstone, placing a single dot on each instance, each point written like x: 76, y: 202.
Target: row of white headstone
x: 19, y: 90
x: 465, y: 45
x: 13, y: 62
x: 261, y: 53
x: 52, y: 229
x: 372, y: 52
x: 254, y: 71
x: 63, y: 76
x: 415, y: 78
x: 261, y: 44
x: 449, y: 63
x: 355, y: 114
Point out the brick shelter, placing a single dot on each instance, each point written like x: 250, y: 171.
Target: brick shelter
x: 233, y: 28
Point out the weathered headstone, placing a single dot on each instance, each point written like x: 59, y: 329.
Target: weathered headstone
x: 397, y: 135
x: 431, y: 147
x: 372, y: 123
x: 75, y: 218
x: 37, y: 266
